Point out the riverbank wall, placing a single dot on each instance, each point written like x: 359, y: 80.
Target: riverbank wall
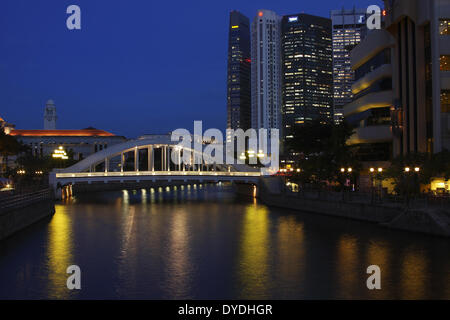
x: 272, y: 192
x: 20, y: 211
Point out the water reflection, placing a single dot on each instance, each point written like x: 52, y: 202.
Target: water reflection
x: 59, y: 254
x: 348, y: 267
x: 179, y: 267
x: 254, y: 253
x: 413, y: 275
x: 290, y: 251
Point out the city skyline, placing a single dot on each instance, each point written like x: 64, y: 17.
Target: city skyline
x: 128, y: 77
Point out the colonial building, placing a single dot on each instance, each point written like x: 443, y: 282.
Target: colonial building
x: 78, y: 143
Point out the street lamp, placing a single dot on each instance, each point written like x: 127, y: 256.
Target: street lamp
x: 416, y: 169
x: 407, y: 169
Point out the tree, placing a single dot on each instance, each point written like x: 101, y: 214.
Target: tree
x: 430, y: 166
x: 9, y: 146
x: 322, y: 152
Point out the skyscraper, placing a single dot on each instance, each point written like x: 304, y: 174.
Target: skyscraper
x: 349, y: 28
x: 266, y: 70
x: 307, y: 71
x: 238, y: 79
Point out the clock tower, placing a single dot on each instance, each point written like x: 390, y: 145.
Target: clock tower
x: 50, y: 116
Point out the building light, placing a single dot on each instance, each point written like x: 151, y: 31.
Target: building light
x: 260, y: 13
x: 60, y: 153
x: 293, y: 19
x: 234, y: 27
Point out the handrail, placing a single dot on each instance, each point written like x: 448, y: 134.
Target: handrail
x: 23, y: 200
x: 157, y: 173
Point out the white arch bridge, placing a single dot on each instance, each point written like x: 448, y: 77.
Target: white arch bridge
x: 149, y: 160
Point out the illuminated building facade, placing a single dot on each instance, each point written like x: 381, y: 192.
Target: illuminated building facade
x: 307, y: 91
x: 349, y: 28
x: 266, y: 70
x: 238, y: 79
x: 78, y: 143
x: 421, y: 29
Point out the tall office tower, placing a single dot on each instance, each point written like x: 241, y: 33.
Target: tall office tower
x: 421, y: 74
x: 349, y: 28
x: 50, y: 115
x: 307, y: 67
x: 238, y: 82
x: 266, y: 70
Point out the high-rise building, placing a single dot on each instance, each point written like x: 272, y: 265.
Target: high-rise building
x: 349, y: 28
x: 307, y: 67
x: 238, y: 81
x: 421, y: 73
x: 266, y: 70
x: 50, y: 115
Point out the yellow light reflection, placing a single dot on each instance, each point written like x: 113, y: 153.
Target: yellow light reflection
x: 60, y: 254
x: 347, y: 266
x: 378, y: 254
x: 290, y: 250
x: 179, y: 264
x: 253, y: 269
x: 413, y: 276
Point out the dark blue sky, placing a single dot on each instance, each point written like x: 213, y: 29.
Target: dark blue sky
x: 136, y: 67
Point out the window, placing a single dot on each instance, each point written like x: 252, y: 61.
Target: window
x: 444, y: 27
x: 445, y: 63
x: 445, y: 101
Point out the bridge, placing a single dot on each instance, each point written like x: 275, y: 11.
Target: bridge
x: 149, y: 160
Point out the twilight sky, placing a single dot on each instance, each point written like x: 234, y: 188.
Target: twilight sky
x: 135, y: 67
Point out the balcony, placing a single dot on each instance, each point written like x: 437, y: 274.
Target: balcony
x: 372, y: 100
x: 375, y: 42
x: 381, y: 72
x: 372, y: 134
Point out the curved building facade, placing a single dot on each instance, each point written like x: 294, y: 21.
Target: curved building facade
x: 370, y: 111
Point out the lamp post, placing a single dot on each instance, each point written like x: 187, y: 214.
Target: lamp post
x: 408, y: 171
x: 372, y: 172
x: 346, y: 173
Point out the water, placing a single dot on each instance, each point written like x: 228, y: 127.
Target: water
x: 204, y: 243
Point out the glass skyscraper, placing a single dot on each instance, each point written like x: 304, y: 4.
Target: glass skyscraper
x: 349, y: 28
x: 307, y: 90
x: 238, y: 79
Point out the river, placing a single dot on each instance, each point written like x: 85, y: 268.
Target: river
x: 204, y: 242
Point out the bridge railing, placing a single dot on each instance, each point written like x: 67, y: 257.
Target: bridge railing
x: 157, y: 173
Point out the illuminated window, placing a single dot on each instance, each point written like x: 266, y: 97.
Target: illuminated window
x: 445, y: 63
x: 444, y: 27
